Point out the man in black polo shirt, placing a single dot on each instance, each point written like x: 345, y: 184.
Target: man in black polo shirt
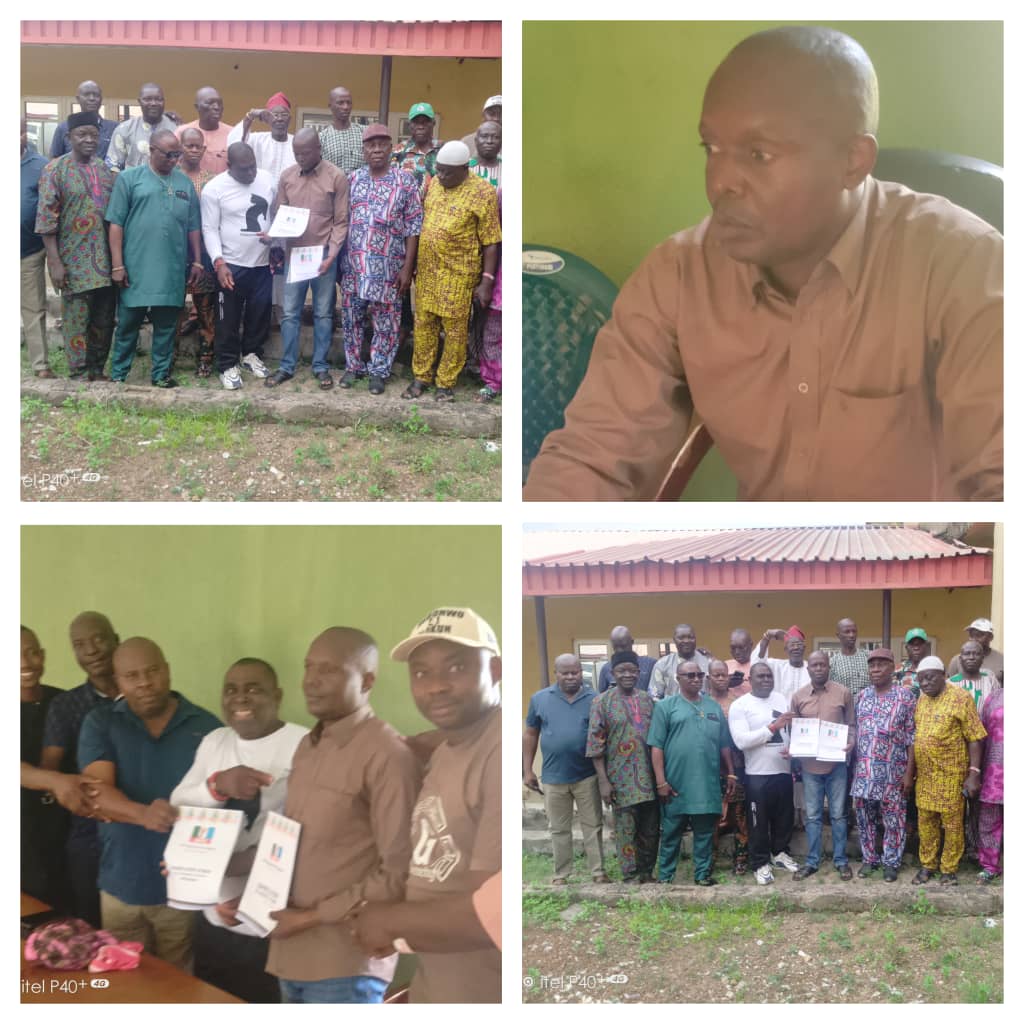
x: 93, y: 641
x: 558, y: 716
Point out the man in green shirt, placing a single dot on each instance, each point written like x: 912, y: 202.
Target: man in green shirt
x: 689, y: 741
x: 154, y: 234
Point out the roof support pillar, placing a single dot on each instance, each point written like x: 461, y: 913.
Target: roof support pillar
x: 542, y: 642
x: 887, y: 619
x: 385, y: 92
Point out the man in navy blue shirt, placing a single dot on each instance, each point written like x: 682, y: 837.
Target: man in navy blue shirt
x: 558, y: 717
x: 93, y: 642
x: 139, y: 748
x: 90, y: 99
x: 622, y: 640
x: 33, y: 260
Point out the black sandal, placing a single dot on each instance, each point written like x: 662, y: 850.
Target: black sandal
x: 921, y: 877
x: 415, y: 389
x: 444, y: 395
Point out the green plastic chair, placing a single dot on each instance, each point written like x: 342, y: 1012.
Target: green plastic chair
x: 566, y: 300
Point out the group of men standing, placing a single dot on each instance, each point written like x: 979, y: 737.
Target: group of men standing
x: 693, y: 741
x: 129, y: 217
x: 400, y: 839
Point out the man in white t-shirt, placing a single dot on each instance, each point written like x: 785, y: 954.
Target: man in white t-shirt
x: 236, y: 208
x: 244, y: 766
x: 790, y: 672
x: 758, y: 722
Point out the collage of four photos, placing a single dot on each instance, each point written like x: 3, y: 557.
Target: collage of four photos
x: 754, y: 753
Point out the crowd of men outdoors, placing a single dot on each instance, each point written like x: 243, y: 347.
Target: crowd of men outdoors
x: 400, y: 844
x: 694, y: 741
x: 127, y: 218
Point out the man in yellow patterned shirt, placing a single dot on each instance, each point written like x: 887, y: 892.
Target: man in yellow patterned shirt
x: 946, y: 755
x: 461, y: 230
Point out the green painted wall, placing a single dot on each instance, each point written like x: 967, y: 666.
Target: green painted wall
x: 211, y: 594
x: 611, y: 164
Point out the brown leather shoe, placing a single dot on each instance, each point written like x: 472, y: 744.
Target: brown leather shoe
x: 601, y: 879
x: 46, y: 374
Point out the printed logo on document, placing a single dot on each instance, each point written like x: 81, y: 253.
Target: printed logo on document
x: 202, y: 835
x: 434, y: 853
x: 276, y: 852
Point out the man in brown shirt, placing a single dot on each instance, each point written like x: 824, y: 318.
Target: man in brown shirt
x: 829, y: 702
x: 352, y: 787
x: 313, y: 184
x: 840, y: 337
x: 455, y: 671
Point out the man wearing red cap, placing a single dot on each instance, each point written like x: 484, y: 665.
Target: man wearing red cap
x: 385, y: 217
x: 790, y: 672
x: 273, y: 149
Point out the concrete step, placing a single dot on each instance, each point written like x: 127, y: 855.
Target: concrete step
x: 539, y: 841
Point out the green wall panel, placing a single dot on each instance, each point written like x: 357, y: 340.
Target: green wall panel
x: 211, y: 594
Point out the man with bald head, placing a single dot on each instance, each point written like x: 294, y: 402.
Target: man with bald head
x: 663, y: 678
x: 849, y: 663
x: 93, y: 641
x: 210, y: 108
x: 138, y: 749
x: 352, y: 788
x: 558, y: 718
x: 89, y: 97
x: 129, y: 145
x: 860, y: 314
x: 313, y: 184
x: 342, y: 139
x: 621, y: 639
x: 741, y: 645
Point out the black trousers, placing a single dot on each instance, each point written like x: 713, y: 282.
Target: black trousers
x: 245, y: 311
x: 769, y: 816
x: 235, y: 963
x: 83, y: 874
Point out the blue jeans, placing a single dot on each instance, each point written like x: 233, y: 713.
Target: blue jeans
x: 815, y: 789
x: 360, y: 989
x: 323, y: 319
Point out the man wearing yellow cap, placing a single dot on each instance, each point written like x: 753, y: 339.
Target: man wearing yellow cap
x: 454, y: 671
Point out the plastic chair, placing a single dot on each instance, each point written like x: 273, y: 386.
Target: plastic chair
x: 566, y: 301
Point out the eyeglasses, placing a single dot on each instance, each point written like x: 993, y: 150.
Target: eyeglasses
x: 174, y: 154
x: 691, y: 675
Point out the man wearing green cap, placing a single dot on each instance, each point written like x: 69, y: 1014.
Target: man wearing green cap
x: 917, y: 646
x: 419, y: 154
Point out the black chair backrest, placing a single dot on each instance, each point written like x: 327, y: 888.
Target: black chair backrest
x: 976, y: 185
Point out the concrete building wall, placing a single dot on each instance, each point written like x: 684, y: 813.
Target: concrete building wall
x: 944, y: 614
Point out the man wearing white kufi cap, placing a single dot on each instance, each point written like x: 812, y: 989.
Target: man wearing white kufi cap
x: 456, y: 265
x: 455, y: 671
x: 491, y: 112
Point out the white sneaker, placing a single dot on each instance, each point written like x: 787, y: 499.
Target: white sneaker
x: 764, y: 875
x: 254, y: 365
x: 231, y: 379
x: 783, y: 860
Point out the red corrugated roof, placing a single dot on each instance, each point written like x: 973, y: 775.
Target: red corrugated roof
x: 769, y: 544
x: 379, y: 38
x: 772, y: 558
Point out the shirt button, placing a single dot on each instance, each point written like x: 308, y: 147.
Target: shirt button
x: 802, y: 387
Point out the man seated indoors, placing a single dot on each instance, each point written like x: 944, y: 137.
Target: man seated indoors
x: 454, y: 672
x: 243, y: 766
x: 858, y: 315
